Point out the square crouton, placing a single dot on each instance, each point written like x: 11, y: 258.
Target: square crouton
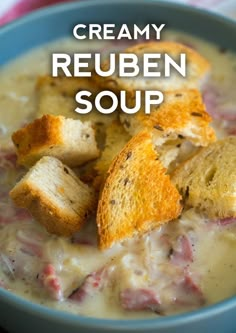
x: 71, y: 141
x: 54, y: 196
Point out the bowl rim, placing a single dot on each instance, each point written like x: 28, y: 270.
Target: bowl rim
x: 138, y: 325
x: 60, y: 7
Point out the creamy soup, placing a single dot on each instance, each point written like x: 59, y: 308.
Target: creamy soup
x: 187, y: 264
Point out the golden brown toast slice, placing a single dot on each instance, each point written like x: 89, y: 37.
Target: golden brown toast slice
x: 137, y: 194
x: 207, y: 181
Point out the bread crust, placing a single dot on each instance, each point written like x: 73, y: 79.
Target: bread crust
x: 42, y: 132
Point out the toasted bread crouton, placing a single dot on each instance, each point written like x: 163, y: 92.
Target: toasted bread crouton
x: 54, y: 196
x: 56, y: 96
x: 71, y: 141
x: 181, y: 119
x: 181, y: 115
x: 116, y: 139
x: 197, y: 69
x: 137, y: 194
x: 207, y: 181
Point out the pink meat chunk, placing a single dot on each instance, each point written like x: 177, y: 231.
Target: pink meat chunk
x: 139, y: 299
x: 190, y: 293
x: 182, y: 251
x: 93, y: 282
x: 226, y: 221
x: 12, y: 214
x: 8, y: 158
x: 211, y: 97
x: 51, y: 282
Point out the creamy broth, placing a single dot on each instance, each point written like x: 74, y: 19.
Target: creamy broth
x: 190, y: 262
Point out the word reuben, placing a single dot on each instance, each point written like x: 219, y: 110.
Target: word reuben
x: 123, y: 65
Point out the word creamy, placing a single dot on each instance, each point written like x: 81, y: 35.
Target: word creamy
x: 110, y: 31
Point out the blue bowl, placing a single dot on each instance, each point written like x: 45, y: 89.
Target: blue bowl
x: 19, y: 315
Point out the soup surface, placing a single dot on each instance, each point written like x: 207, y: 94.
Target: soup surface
x: 186, y: 264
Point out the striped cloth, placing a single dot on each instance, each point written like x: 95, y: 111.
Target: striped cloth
x: 12, y: 9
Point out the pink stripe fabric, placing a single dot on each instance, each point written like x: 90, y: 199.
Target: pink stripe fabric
x: 25, y: 6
